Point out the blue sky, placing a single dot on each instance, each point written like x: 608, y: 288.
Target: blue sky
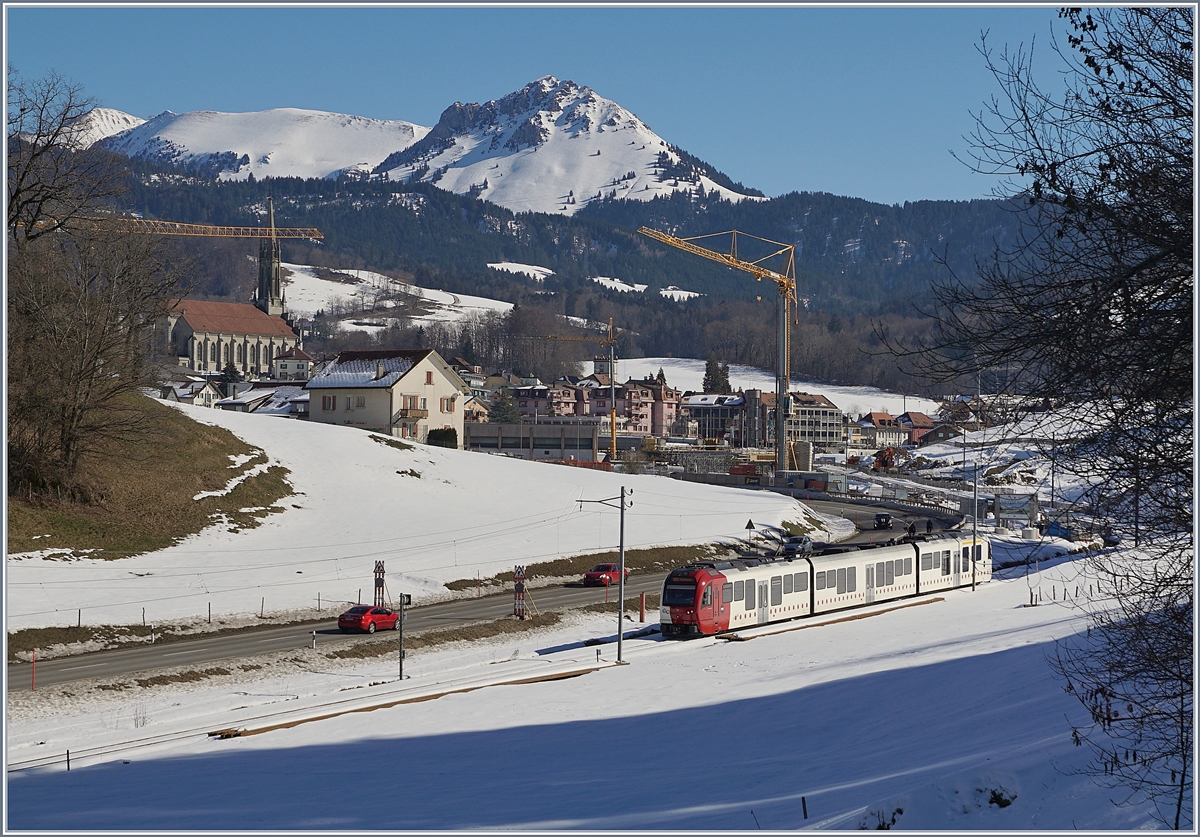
x: 866, y: 102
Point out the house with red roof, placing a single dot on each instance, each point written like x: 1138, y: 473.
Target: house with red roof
x: 207, y: 336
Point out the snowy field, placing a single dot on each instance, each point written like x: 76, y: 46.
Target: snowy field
x: 945, y: 711
x: 432, y: 514
x: 941, y: 715
x: 688, y: 374
x: 307, y: 293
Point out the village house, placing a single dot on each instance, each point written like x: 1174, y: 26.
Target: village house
x: 917, y: 424
x: 293, y: 365
x: 881, y: 430
x: 401, y: 393
x: 661, y: 401
x: 289, y: 400
x: 199, y: 392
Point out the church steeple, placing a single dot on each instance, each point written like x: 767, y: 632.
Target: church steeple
x: 269, y: 298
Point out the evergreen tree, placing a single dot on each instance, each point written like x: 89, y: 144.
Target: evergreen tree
x: 503, y: 409
x: 712, y: 375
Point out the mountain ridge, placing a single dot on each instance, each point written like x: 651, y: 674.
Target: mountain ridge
x: 553, y: 146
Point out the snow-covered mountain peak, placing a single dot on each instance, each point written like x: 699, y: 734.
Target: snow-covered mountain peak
x: 551, y: 146
x: 99, y: 123
x: 282, y: 142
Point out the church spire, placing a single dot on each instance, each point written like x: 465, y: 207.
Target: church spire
x: 270, y: 284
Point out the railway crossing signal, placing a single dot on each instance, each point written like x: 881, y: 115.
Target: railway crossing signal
x: 519, y: 592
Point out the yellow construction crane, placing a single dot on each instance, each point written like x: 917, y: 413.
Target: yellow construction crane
x: 141, y: 225
x: 785, y: 279
x: 270, y: 284
x: 609, y: 340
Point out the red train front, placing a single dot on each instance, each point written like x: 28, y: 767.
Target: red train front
x: 692, y: 603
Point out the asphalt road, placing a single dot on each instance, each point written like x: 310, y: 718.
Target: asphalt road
x: 214, y: 649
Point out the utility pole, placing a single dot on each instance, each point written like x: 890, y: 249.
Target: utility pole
x: 621, y: 571
x: 405, y: 599
x: 975, y: 483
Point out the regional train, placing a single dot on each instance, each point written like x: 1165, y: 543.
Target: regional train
x: 706, y: 598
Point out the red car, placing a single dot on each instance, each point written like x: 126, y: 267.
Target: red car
x: 369, y: 619
x: 602, y: 575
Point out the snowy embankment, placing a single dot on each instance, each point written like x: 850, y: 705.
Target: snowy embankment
x: 432, y: 515
x: 942, y: 715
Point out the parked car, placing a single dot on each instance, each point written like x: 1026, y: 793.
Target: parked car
x: 797, y: 545
x: 602, y: 575
x: 883, y: 520
x: 369, y: 619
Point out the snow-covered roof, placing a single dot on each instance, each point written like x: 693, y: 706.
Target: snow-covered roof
x: 711, y: 400
x: 374, y: 370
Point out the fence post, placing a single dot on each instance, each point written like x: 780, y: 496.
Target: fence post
x: 642, y: 615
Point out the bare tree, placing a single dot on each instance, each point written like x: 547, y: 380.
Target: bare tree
x: 83, y: 298
x: 52, y: 177
x: 1092, y: 309
x: 81, y: 311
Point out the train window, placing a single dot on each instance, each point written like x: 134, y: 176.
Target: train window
x: 850, y: 584
x: 683, y: 595
x: 927, y: 560
x: 890, y: 570
x: 706, y: 601
x: 841, y: 580
x: 870, y: 576
x: 820, y: 580
x: 787, y: 583
x: 750, y: 595
x: 739, y: 590
x: 776, y: 590
x: 908, y: 565
x: 801, y: 582
x: 880, y: 578
x: 726, y: 593
x: 978, y: 552
x: 945, y: 562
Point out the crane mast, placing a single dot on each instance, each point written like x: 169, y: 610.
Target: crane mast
x: 786, y: 283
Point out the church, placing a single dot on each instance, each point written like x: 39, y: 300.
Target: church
x: 208, y: 336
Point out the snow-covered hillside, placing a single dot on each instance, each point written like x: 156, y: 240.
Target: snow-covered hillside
x: 940, y: 714
x: 308, y: 289
x: 100, y: 123
x: 943, y: 716
x: 283, y: 142
x: 552, y: 146
x: 434, y: 514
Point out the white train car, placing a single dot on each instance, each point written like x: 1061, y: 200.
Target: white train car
x: 711, y: 597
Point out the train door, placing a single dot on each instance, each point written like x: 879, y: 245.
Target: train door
x: 960, y: 564
x: 705, y: 612
x: 870, y: 583
x: 764, y: 602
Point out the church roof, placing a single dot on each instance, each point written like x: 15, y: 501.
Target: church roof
x: 231, y: 318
